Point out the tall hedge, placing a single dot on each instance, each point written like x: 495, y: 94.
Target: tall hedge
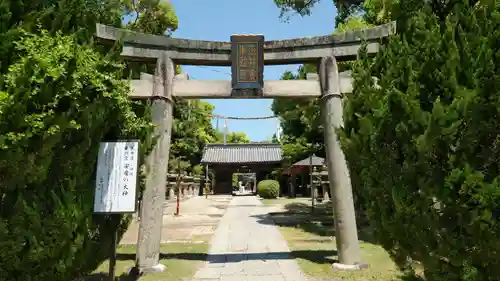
x: 424, y: 145
x: 59, y: 101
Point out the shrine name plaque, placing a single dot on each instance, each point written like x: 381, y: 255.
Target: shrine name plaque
x: 247, y: 68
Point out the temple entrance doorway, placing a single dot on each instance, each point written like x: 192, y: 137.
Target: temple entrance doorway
x: 249, y: 163
x: 244, y: 183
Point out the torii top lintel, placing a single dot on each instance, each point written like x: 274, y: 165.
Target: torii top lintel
x: 147, y: 47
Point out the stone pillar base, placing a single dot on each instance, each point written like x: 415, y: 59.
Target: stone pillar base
x: 135, y: 271
x: 349, y: 267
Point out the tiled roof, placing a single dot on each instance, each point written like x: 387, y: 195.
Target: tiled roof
x: 316, y: 161
x: 247, y: 153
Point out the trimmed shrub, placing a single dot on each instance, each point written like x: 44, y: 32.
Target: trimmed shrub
x: 59, y: 101
x: 423, y: 145
x: 268, y: 189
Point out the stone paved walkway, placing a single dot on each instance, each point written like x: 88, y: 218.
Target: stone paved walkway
x: 197, y: 222
x: 247, y: 246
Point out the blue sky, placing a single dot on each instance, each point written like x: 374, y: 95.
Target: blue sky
x: 217, y: 20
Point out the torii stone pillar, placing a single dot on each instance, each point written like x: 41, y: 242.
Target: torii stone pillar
x: 151, y: 213
x: 338, y: 174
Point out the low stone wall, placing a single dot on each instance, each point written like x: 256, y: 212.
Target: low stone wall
x: 189, y: 186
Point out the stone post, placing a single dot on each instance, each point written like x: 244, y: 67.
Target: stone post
x: 338, y: 174
x: 171, y: 193
x: 151, y: 214
x: 326, y: 197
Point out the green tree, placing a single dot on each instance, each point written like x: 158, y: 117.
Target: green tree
x: 237, y: 137
x: 59, y: 97
x: 422, y: 146
x: 232, y: 137
x: 192, y: 129
x: 350, y: 24
x: 78, y: 17
x: 150, y: 16
x: 59, y: 100
x: 271, y: 139
x: 373, y: 11
x: 300, y: 121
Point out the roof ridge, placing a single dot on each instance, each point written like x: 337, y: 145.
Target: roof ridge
x: 242, y: 153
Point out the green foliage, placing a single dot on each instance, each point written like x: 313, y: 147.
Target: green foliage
x: 64, y: 16
x: 234, y: 179
x: 198, y: 170
x: 79, y: 18
x: 268, y: 189
x: 232, y: 137
x: 178, y: 165
x: 423, y: 146
x: 380, y: 11
x: 301, y: 7
x: 191, y: 130
x: 69, y: 17
x: 373, y: 11
x: 151, y: 16
x: 300, y: 121
x: 59, y: 101
x: 351, y: 24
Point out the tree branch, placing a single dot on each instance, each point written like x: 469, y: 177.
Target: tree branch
x: 134, y: 6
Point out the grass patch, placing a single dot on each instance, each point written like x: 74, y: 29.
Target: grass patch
x: 177, y: 268
x: 322, y: 253
x: 315, y: 234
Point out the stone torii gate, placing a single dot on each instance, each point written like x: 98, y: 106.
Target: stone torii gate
x: 247, y: 82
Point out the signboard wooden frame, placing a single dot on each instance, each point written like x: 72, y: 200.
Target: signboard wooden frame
x: 240, y: 43
x: 110, y: 177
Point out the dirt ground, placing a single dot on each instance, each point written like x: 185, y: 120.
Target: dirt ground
x: 197, y: 221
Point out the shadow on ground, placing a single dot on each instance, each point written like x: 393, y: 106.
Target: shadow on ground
x: 105, y: 277
x: 247, y: 205
x: 319, y: 222
x: 316, y: 256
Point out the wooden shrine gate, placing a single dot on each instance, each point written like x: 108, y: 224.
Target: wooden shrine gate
x: 247, y: 54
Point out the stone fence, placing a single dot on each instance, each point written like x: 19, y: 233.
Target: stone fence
x: 189, y: 186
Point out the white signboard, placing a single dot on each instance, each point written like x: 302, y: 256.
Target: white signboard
x: 116, y: 179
